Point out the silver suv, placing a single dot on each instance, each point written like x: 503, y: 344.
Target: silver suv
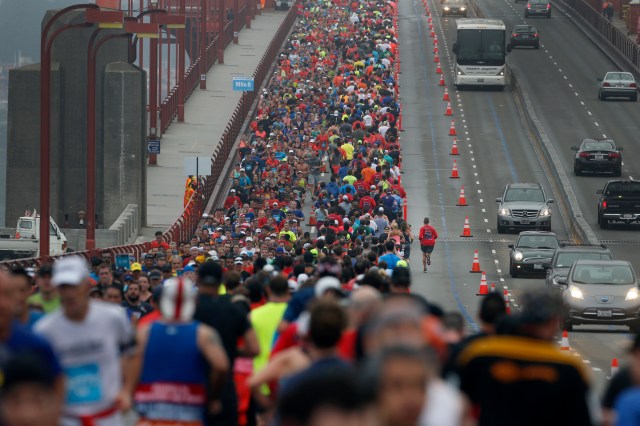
x: 523, y: 206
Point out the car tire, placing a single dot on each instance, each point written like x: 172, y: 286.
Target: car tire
x: 537, y: 46
x: 526, y: 15
x: 549, y: 15
x: 617, y: 172
x: 464, y: 15
x: 512, y: 271
x: 602, y: 96
x: 576, y: 170
x: 634, y: 98
x: 603, y: 222
x: 634, y: 327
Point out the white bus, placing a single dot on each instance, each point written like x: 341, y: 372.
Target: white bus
x: 480, y: 51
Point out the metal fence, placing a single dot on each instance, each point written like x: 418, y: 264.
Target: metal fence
x: 184, y: 227
x: 617, y: 38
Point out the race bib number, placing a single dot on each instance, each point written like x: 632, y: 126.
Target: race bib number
x: 83, y: 384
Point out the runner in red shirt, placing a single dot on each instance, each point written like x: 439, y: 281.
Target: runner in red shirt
x: 427, y: 236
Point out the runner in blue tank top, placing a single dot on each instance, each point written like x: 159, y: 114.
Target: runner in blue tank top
x: 178, y: 354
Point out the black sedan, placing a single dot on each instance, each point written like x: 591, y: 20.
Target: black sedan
x: 597, y: 155
x: 532, y: 251
x: 525, y: 35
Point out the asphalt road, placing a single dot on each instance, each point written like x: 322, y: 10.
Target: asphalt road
x: 495, y: 150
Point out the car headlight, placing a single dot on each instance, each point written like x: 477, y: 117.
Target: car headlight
x: 463, y: 8
x: 632, y: 294
x: 575, y: 292
x: 446, y: 8
x: 545, y: 212
x: 517, y: 255
x: 504, y: 212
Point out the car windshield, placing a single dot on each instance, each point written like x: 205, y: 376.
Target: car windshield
x: 538, y: 1
x: 524, y: 29
x: 606, y: 274
x: 524, y: 194
x: 630, y: 188
x: 597, y: 145
x: 455, y: 2
x: 623, y: 76
x: 538, y: 242
x: 565, y: 260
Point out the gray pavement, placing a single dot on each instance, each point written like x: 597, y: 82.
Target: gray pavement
x: 207, y: 112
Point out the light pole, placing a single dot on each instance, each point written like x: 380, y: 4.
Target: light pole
x: 46, y: 42
x: 203, y: 44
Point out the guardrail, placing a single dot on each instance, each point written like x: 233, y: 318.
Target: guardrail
x: 616, y: 38
x: 184, y: 227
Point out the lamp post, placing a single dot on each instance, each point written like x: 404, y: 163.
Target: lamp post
x: 203, y: 44
x: 181, y: 64
x: 46, y: 43
x: 221, y: 19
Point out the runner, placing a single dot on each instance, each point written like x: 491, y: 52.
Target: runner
x: 427, y: 237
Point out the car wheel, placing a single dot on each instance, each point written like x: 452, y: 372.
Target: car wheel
x: 537, y: 46
x: 603, y: 222
x: 634, y: 98
x: 549, y: 15
x: 576, y: 170
x: 634, y: 327
x: 617, y: 172
x: 565, y: 324
x: 464, y: 15
x: 602, y: 96
x: 501, y: 229
x: 526, y: 15
x: 513, y: 271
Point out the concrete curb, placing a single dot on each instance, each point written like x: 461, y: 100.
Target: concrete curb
x: 577, y: 227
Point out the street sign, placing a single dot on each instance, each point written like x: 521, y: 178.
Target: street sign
x: 153, y: 146
x: 197, y: 166
x: 243, y: 84
x: 203, y: 77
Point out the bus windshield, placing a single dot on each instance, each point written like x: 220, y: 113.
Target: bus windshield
x: 481, y: 47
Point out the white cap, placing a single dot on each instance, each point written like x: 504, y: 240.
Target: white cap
x: 70, y: 270
x: 327, y: 283
x: 178, y: 301
x: 248, y: 239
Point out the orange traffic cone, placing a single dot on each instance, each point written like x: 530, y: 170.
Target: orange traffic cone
x: 430, y: 19
x: 614, y: 367
x: 565, y: 341
x: 435, y: 40
x: 462, y: 201
x: 435, y: 49
x: 454, y: 171
x: 448, y: 112
x: 452, y: 129
x: 454, y: 148
x: 312, y: 219
x: 506, y: 302
x: 493, y: 288
x: 432, y: 33
x: 441, y: 82
x: 430, y: 26
x: 438, y: 69
x: 436, y: 59
x: 475, y: 266
x: 466, y: 231
x: 446, y: 95
x: 483, y: 286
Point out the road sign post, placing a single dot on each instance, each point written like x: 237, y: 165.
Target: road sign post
x: 153, y: 146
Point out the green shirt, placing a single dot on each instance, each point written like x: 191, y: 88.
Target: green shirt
x: 47, y: 306
x: 265, y: 321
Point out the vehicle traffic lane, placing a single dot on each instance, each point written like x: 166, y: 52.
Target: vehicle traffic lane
x: 595, y: 347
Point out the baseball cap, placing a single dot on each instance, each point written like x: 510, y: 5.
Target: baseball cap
x: 238, y: 261
x: 166, y: 268
x: 155, y: 275
x: 344, y: 197
x: 233, y: 190
x: 178, y: 301
x: 248, y: 239
x: 280, y: 250
x: 70, y: 270
x: 325, y: 284
x: 45, y: 270
x: 189, y: 268
x: 136, y: 267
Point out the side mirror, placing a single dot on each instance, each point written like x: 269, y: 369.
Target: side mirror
x: 574, y: 148
x: 510, y: 246
x: 599, y: 191
x: 546, y: 266
x: 59, y: 237
x: 620, y: 148
x: 509, y: 46
x: 598, y: 79
x: 551, y: 201
x: 562, y: 281
x: 498, y: 200
x: 454, y: 48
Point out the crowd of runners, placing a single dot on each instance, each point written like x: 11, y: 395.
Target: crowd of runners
x: 271, y: 316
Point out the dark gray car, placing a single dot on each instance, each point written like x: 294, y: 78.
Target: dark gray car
x: 523, y: 206
x: 564, y: 257
x: 531, y: 252
x: 601, y: 292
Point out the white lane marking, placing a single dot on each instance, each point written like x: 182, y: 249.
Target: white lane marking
x: 477, y: 182
x: 596, y: 369
x: 479, y: 191
x: 596, y: 123
x: 495, y: 261
x: 493, y: 251
x: 589, y: 112
x: 486, y: 220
